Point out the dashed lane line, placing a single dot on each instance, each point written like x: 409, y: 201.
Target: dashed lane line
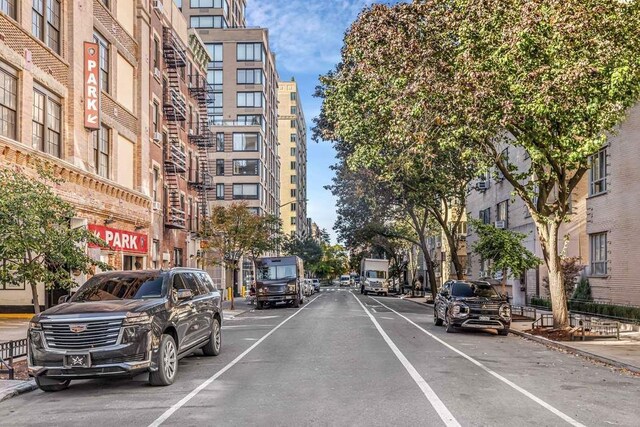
x: 511, y: 384
x: 444, y: 413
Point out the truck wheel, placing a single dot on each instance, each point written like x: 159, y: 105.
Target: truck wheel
x: 259, y: 305
x: 364, y: 292
x: 296, y: 303
x: 436, y: 320
x: 167, y: 363
x: 503, y: 332
x: 50, y: 385
x: 212, y: 348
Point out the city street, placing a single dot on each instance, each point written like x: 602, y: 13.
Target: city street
x: 348, y: 359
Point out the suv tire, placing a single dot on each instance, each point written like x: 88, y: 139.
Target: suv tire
x: 167, y: 363
x: 436, y: 319
x: 51, y: 385
x: 212, y: 348
x: 448, y: 326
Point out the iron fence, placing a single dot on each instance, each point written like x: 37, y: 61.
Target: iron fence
x: 10, y: 350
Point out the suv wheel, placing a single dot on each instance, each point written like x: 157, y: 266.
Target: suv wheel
x: 447, y: 323
x: 49, y: 384
x: 212, y: 348
x: 436, y: 319
x: 167, y: 362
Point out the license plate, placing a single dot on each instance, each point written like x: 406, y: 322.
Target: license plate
x: 485, y: 318
x: 77, y: 360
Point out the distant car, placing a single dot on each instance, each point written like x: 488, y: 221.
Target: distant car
x: 345, y: 280
x: 307, y: 287
x: 123, y: 323
x: 471, y: 304
x: 316, y: 284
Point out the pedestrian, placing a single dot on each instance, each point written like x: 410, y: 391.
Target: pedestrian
x: 252, y: 293
x: 362, y: 287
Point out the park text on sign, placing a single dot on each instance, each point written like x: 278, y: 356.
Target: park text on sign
x: 91, y: 85
x: 121, y: 240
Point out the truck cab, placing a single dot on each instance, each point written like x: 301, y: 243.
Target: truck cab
x: 279, y: 279
x: 374, y: 276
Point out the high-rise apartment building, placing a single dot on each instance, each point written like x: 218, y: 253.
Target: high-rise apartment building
x: 292, y: 135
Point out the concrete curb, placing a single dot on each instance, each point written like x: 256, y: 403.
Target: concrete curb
x: 18, y: 389
x: 416, y: 302
x: 570, y: 349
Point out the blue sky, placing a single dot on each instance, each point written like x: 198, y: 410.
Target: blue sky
x: 306, y: 36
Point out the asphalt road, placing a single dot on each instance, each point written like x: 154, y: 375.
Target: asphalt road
x: 347, y: 359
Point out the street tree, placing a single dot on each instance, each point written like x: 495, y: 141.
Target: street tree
x: 231, y: 232
x: 554, y: 78
x: 307, y: 249
x: 37, y: 243
x: 380, y: 121
x: 334, y: 261
x: 504, y: 249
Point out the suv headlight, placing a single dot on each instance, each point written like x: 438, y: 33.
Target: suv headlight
x: 460, y: 309
x: 35, y: 326
x: 135, y: 319
x: 505, y: 311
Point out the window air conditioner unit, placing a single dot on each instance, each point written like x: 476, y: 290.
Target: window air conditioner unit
x: 157, y: 136
x: 500, y: 224
x: 157, y: 73
x: 158, y: 6
x: 483, y: 185
x: 156, y: 206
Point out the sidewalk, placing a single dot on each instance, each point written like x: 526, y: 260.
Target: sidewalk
x: 11, y: 388
x: 240, y: 306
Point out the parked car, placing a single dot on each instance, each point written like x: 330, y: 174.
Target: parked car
x: 345, y: 280
x: 471, y: 304
x: 123, y: 323
x: 316, y: 284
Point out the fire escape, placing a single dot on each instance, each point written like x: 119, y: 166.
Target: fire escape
x: 174, y: 107
x: 203, y: 138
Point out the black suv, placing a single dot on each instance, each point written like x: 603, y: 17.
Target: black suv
x: 471, y: 304
x: 125, y: 323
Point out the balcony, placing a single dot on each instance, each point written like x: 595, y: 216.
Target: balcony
x: 175, y: 218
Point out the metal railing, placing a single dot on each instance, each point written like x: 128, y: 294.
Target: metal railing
x: 522, y: 311
x: 8, y: 351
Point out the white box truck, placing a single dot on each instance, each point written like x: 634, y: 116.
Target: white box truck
x: 374, y: 276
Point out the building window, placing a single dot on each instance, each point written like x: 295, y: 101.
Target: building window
x: 252, y: 76
x: 502, y: 212
x: 215, y: 53
x: 293, y: 123
x: 155, y: 253
x: 294, y: 109
x: 101, y: 151
x: 8, y: 104
x: 246, y: 192
x: 598, y: 253
x: 215, y: 79
x: 47, y: 122
x: 220, y: 167
x: 293, y: 220
x: 156, y: 53
x: 8, y: 7
x: 293, y: 96
x: 250, y: 120
x: 220, y: 191
x: 104, y: 61
x: 293, y: 165
x: 293, y: 151
x: 220, y: 142
x: 177, y: 257
x: 249, y: 52
x: 49, y: 33
x: 216, y: 105
x: 246, y: 142
x: 246, y: 167
x: 250, y: 99
x: 294, y: 137
x: 215, y: 4
x: 156, y: 180
x: 156, y: 117
x: 293, y: 207
x: 485, y: 216
x: 294, y: 179
x: 208, y: 22
x: 598, y: 174
x: 294, y: 192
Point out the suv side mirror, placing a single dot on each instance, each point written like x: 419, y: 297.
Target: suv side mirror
x: 63, y: 299
x: 184, y: 294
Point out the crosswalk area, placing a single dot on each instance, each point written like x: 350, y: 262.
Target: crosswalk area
x: 335, y: 290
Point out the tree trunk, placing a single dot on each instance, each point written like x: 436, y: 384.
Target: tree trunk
x: 452, y: 243
x: 34, y: 294
x: 504, y: 281
x: 233, y: 285
x: 430, y: 273
x: 549, y: 243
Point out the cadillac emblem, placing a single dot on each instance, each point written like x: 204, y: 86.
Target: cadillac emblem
x: 77, y: 328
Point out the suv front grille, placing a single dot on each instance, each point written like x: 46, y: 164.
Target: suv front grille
x: 100, y: 333
x: 484, y: 308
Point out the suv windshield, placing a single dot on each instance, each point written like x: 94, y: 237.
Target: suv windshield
x: 470, y: 290
x: 120, y: 286
x: 266, y: 272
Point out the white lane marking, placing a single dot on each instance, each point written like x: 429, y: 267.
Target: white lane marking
x: 243, y: 326
x: 386, y: 318
x: 162, y: 418
x: 373, y: 309
x: 516, y: 387
x: 446, y: 416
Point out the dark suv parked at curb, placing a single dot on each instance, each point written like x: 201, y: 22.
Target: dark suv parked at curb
x: 124, y: 323
x: 471, y: 304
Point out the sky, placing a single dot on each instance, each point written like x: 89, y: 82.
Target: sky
x: 306, y: 36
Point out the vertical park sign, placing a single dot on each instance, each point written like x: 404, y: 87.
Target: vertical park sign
x: 91, y: 85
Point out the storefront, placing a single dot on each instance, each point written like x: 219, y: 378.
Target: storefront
x: 125, y: 250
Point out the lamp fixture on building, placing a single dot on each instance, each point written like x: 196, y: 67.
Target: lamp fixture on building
x: 109, y: 220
